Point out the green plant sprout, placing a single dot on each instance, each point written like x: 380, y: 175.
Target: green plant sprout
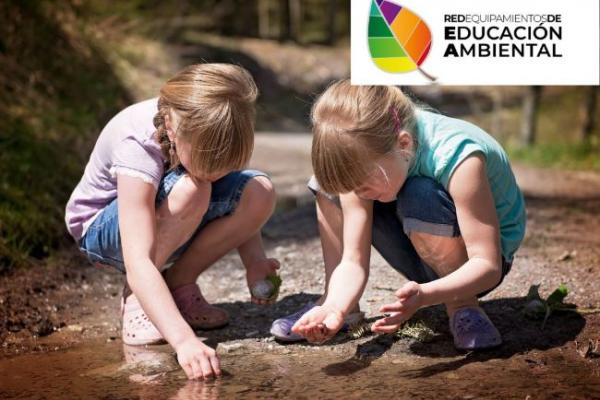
x: 536, y: 307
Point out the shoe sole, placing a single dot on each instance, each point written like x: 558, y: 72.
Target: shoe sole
x: 144, y: 342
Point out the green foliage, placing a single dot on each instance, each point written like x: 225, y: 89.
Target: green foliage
x: 559, y: 155
x: 56, y: 93
x: 558, y: 142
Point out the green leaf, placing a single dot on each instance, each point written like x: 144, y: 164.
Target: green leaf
x: 535, y: 307
x: 557, y: 297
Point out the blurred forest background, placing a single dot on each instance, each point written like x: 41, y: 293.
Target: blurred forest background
x: 67, y: 66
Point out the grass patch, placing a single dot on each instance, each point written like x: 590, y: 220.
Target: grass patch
x: 558, y: 139
x: 574, y: 156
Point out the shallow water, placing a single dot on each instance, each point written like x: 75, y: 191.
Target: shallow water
x: 109, y: 371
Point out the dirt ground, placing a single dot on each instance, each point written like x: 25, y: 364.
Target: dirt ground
x: 64, y: 303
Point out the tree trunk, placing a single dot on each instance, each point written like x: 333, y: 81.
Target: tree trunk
x: 264, y: 28
x: 284, y: 20
x: 589, y: 116
x: 295, y: 19
x: 531, y: 102
x: 331, y: 16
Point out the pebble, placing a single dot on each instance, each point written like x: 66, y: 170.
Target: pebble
x: 230, y: 347
x: 75, y: 328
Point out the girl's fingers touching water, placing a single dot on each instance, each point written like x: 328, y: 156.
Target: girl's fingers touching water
x: 216, y: 364
x: 197, y: 359
x: 196, y: 369
x: 207, y: 371
x: 187, y: 368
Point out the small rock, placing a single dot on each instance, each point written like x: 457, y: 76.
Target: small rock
x: 567, y: 255
x: 230, y: 347
x: 589, y: 350
x: 75, y: 328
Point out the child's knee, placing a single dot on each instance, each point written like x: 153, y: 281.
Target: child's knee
x: 259, y: 197
x: 188, y: 197
x: 425, y: 206
x: 443, y: 254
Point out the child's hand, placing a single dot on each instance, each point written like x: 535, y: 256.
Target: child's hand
x: 197, y: 359
x: 258, y: 271
x: 320, y: 324
x: 409, y: 301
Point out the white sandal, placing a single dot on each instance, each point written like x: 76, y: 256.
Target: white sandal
x: 138, y: 330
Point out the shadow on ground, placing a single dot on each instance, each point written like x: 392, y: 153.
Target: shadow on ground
x: 520, y: 335
x: 250, y: 321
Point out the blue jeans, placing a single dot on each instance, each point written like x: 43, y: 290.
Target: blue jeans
x: 422, y: 205
x: 102, y: 240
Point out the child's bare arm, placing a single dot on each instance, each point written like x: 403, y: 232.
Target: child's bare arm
x: 478, y: 222
x: 349, y: 278
x: 137, y: 225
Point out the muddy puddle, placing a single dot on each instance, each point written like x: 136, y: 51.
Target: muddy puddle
x: 112, y: 371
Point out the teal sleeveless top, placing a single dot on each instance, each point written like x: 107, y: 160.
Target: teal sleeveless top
x: 444, y: 142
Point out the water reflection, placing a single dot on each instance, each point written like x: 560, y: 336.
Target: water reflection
x: 155, y: 368
x: 114, y: 371
x: 198, y: 390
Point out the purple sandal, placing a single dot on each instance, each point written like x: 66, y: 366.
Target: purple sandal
x: 281, y: 328
x: 473, y: 330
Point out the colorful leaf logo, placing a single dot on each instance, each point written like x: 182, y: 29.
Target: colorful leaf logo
x: 399, y: 40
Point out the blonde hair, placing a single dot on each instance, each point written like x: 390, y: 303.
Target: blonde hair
x: 353, y: 126
x: 214, y: 105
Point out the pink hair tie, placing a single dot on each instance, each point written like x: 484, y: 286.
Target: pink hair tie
x: 397, y: 123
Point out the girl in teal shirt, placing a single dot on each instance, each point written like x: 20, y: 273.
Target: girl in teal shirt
x: 435, y: 196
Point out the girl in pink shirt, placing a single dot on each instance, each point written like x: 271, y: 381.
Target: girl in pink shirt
x: 166, y: 185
